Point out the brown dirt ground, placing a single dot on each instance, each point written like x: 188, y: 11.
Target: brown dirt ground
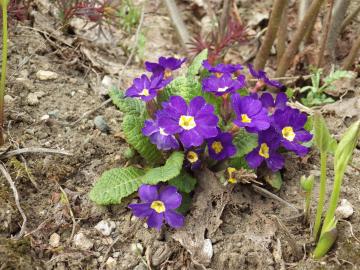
x: 248, y: 238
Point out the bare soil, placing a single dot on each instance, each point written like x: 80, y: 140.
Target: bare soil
x: 251, y: 231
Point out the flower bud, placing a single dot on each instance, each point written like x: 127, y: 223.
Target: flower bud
x: 307, y: 183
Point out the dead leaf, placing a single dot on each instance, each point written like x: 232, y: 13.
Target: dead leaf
x: 344, y: 108
x: 343, y: 85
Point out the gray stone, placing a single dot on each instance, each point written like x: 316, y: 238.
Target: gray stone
x: 54, y: 240
x: 105, y: 227
x: 46, y: 75
x: 111, y: 263
x: 32, y: 99
x: 82, y: 242
x: 54, y: 114
x: 8, y: 99
x: 344, y: 210
x: 101, y: 124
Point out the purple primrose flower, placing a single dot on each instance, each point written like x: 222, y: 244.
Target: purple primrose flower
x: 223, y: 85
x: 269, y: 142
x: 193, y: 123
x: 158, y: 206
x: 261, y: 75
x: 250, y: 113
x: 165, y: 66
x: 221, y: 69
x: 144, y: 88
x: 158, y: 136
x: 272, y: 105
x: 192, y: 158
x: 221, y: 146
x: 289, y: 123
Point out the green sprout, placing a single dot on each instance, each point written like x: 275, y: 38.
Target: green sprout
x: 315, y: 92
x: 4, y: 4
x: 129, y: 15
x: 307, y: 184
x: 343, y: 154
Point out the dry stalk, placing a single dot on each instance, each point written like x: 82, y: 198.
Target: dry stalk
x: 350, y: 59
x: 349, y: 18
x: 17, y: 199
x: 282, y: 34
x: 33, y: 150
x: 293, y: 47
x: 272, y: 29
x: 325, y: 35
x: 337, y: 17
x: 224, y: 18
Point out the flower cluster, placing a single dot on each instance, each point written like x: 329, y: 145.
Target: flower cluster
x: 196, y: 128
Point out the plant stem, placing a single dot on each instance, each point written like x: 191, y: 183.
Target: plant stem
x: 325, y: 34
x: 307, y: 206
x: 290, y: 52
x: 282, y: 34
x: 3, y: 68
x: 275, y: 19
x: 349, y: 18
x: 320, y: 206
x: 349, y: 60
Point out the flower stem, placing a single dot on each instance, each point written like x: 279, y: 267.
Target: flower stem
x: 320, y: 206
x: 307, y: 206
x: 3, y: 67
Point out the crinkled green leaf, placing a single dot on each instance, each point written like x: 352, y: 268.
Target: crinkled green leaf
x: 188, y: 88
x: 183, y: 182
x: 322, y: 137
x: 245, y: 142
x: 185, y: 203
x: 171, y: 169
x: 197, y: 63
x: 127, y: 105
x: 274, y: 180
x: 132, y: 126
x: 115, y: 184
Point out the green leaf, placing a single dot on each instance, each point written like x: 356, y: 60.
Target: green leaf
x: 197, y: 63
x: 183, y: 182
x: 185, y: 203
x: 115, y: 184
x: 171, y: 169
x: 132, y: 126
x: 274, y: 180
x: 322, y: 137
x: 127, y: 105
x: 239, y: 162
x: 326, y: 241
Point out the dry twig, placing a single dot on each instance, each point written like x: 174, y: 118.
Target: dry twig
x: 349, y: 18
x: 350, y: 59
x: 17, y: 199
x: 33, y: 150
x: 282, y: 34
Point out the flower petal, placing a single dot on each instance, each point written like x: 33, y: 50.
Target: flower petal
x: 267, y: 100
x: 275, y: 162
x: 191, y: 138
x: 148, y: 193
x: 254, y: 159
x: 170, y: 197
x: 141, y: 209
x: 155, y: 220
x: 303, y: 135
x: 174, y: 219
x: 196, y: 104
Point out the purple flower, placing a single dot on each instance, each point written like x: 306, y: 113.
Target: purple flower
x: 158, y: 206
x: 192, y: 158
x: 193, y: 123
x: 269, y: 142
x: 223, y: 85
x: 261, y: 75
x: 144, y: 88
x: 165, y: 66
x: 221, y: 146
x: 250, y: 113
x: 158, y: 136
x: 272, y: 105
x: 221, y: 69
x: 289, y: 123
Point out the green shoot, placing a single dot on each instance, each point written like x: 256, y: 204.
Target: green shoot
x: 343, y: 156
x: 307, y: 184
x: 325, y: 143
x: 315, y: 92
x: 4, y: 4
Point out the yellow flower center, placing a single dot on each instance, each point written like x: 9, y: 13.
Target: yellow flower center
x: 231, y: 179
x: 288, y: 133
x: 158, y: 206
x: 264, y: 150
x: 218, y: 74
x: 144, y: 92
x: 217, y: 147
x: 167, y: 73
x: 187, y: 122
x: 192, y: 157
x: 245, y: 118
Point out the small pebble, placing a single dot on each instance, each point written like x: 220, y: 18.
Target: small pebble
x: 137, y: 248
x: 46, y: 75
x: 45, y: 117
x: 111, y: 263
x: 40, y: 94
x: 344, y: 210
x: 82, y: 242
x: 32, y: 99
x: 208, y: 249
x: 105, y: 227
x: 8, y: 99
x: 101, y: 124
x: 54, y: 240
x: 54, y: 114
